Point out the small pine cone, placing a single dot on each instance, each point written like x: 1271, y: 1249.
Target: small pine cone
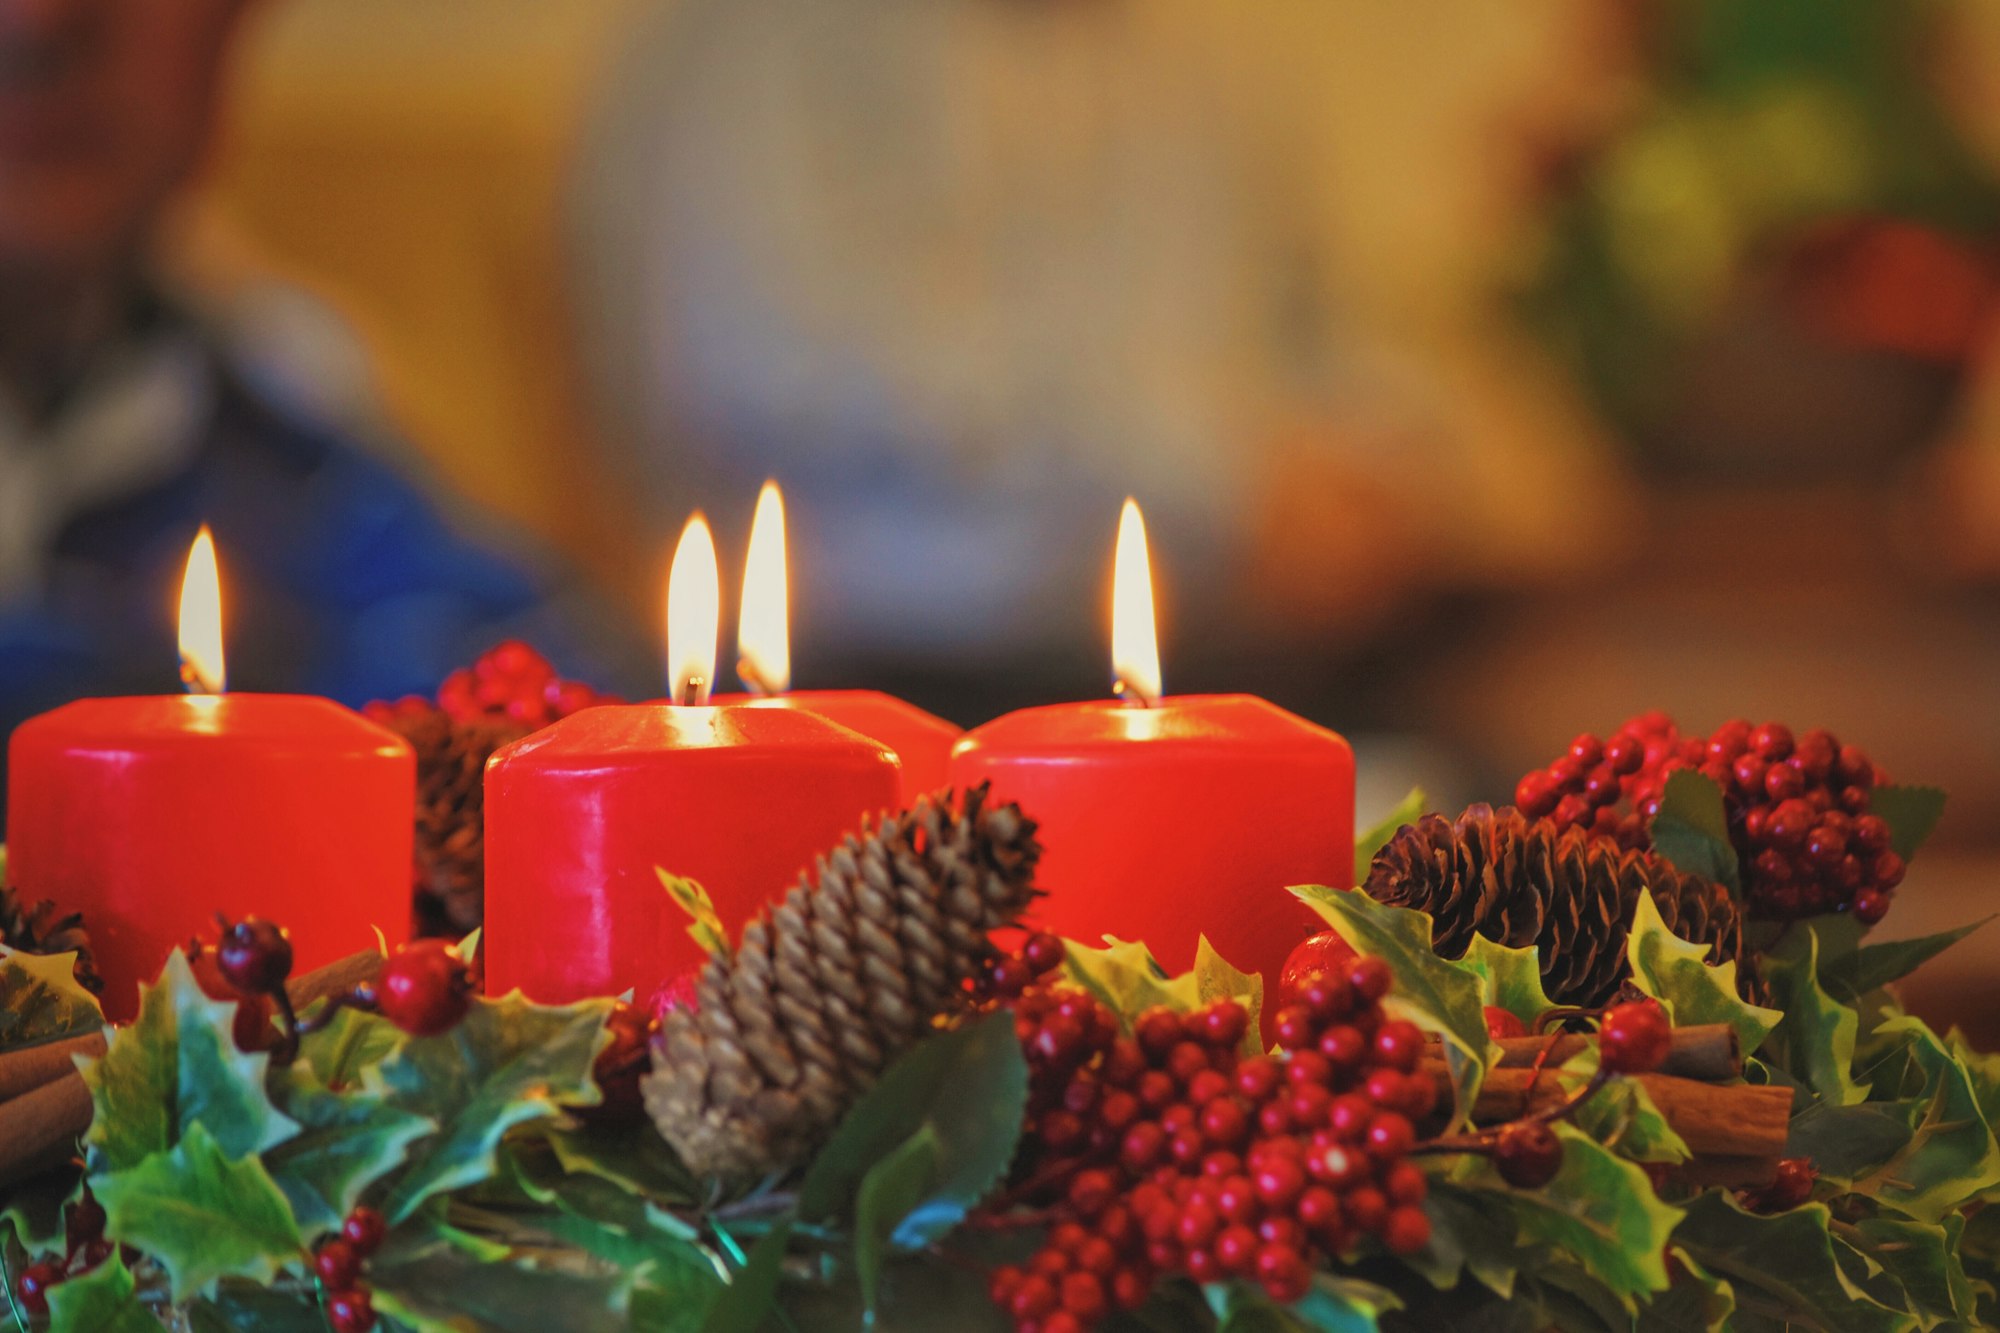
x: 450, y: 870
x: 826, y: 988
x: 40, y: 927
x: 1523, y: 882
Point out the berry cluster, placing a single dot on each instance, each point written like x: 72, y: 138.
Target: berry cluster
x: 84, y: 1248
x: 1798, y: 808
x: 511, y: 682
x: 1170, y: 1151
x: 338, y: 1262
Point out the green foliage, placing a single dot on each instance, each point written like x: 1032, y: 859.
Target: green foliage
x: 1372, y: 840
x: 1672, y: 971
x: 104, y: 1300
x: 1438, y: 995
x: 1912, y: 814
x: 1692, y: 832
x: 346, y: 1142
x: 705, y: 926
x: 742, y: 1306
x: 1509, y: 979
x: 40, y: 999
x: 202, y: 1214
x: 1816, y: 1039
x: 1852, y: 972
x: 1601, y: 1212
x: 1783, y: 1268
x: 1129, y: 981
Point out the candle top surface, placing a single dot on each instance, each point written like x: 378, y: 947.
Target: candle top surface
x: 860, y: 702
x: 1240, y: 721
x: 277, y: 721
x: 611, y: 732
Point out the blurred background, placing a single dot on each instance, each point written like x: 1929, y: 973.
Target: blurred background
x: 1489, y: 373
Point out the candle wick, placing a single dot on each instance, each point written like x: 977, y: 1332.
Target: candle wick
x: 753, y: 678
x: 693, y: 691
x: 1131, y: 696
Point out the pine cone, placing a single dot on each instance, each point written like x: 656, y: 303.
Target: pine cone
x: 40, y: 927
x: 450, y: 870
x: 1521, y: 882
x: 829, y: 986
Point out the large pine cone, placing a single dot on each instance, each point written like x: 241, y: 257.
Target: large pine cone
x: 41, y: 927
x: 450, y: 869
x: 1521, y: 882
x: 859, y: 961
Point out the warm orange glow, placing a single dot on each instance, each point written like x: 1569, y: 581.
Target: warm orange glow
x: 763, y: 636
x: 201, y: 619
x: 694, y: 607
x: 1135, y: 644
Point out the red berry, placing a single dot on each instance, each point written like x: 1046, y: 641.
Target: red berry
x: 364, y: 1230
x: 1537, y: 793
x: 350, y: 1311
x: 254, y: 956
x: 1368, y: 1208
x: 1633, y: 1038
x: 1343, y: 1047
x: 1399, y: 1044
x: 1083, y: 1296
x: 83, y: 1220
x: 1370, y: 978
x: 1294, y: 1027
x: 1034, y: 1297
x: 1091, y: 1192
x: 34, y: 1283
x: 1889, y: 870
x: 1186, y: 1060
x: 1390, y: 1137
x: 1772, y: 741
x: 1405, y: 1183
x: 1257, y: 1077
x: 1278, y: 1182
x: 1224, y: 1023
x: 1157, y: 1030
x: 1225, y: 1122
x: 1528, y: 1155
x: 425, y: 988
x: 1325, y: 952
x: 1043, y: 952
x: 1282, y: 1271
x: 1407, y: 1230
x: 1129, y: 1289
x: 337, y: 1264
x: 1791, y: 1187
x: 1871, y: 905
x: 1502, y: 1023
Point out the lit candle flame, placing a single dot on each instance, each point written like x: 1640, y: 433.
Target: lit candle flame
x: 201, y: 619
x: 694, y: 603
x: 763, y: 637
x: 1135, y: 644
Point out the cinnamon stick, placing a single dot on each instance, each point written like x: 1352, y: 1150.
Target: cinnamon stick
x: 39, y: 1128
x: 1713, y: 1119
x: 29, y: 1068
x: 1708, y: 1051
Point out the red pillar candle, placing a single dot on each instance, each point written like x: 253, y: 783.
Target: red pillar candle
x: 1162, y: 819
x: 149, y: 815
x: 921, y: 740
x: 581, y: 815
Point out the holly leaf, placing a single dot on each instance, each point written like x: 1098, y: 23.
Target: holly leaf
x: 889, y: 1193
x: 1127, y: 978
x: 351, y: 1045
x: 41, y: 999
x: 1671, y: 970
x: 1333, y: 1305
x: 240, y: 1307
x: 1698, y: 1299
x: 1853, y: 974
x: 1509, y: 979
x: 346, y: 1142
x: 705, y: 926
x: 175, y: 1066
x: 744, y: 1303
x: 1602, y: 1213
x: 1370, y: 841
x: 510, y: 1062
x: 430, y: 1283
x: 1951, y: 1157
x: 1692, y: 831
x: 1437, y: 995
x: 1472, y: 1231
x: 631, y: 1156
x: 969, y: 1086
x: 104, y: 1300
x: 1912, y: 814
x: 1914, y: 1266
x: 1621, y: 1115
x: 1846, y: 1142
x: 200, y: 1213
x: 1816, y: 1039
x: 1781, y: 1267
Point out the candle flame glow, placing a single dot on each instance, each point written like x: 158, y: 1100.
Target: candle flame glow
x: 763, y: 636
x: 201, y: 619
x: 694, y: 604
x: 1135, y: 644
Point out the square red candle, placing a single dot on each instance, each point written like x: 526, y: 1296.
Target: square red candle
x: 581, y: 816
x: 150, y: 815
x: 1163, y: 819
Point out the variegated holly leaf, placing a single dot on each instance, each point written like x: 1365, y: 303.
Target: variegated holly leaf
x: 1816, y: 1039
x: 104, y: 1300
x: 346, y: 1142
x: 1675, y: 973
x: 1509, y: 979
x: 1951, y: 1157
x: 173, y: 1067
x: 1129, y: 981
x: 705, y: 926
x: 41, y: 999
x: 1782, y: 1268
x: 349, y: 1047
x: 1602, y: 1213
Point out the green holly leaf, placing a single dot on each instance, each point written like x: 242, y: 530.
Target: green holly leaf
x: 1781, y: 1267
x: 633, y: 1157
x: 889, y: 1193
x: 104, y: 1300
x: 346, y: 1142
x: 1951, y: 1157
x: 1602, y: 1213
x: 1846, y: 1142
x: 429, y: 1282
x: 1472, y: 1231
x: 1852, y: 974
x: 241, y: 1307
x: 1127, y: 978
x: 1621, y: 1115
x: 173, y: 1067
x: 1509, y: 979
x: 1372, y: 840
x: 607, y: 1220
x: 1913, y: 1266
x: 705, y: 926
x: 1439, y: 996
x: 1912, y: 814
x: 510, y: 1062
x: 969, y: 1086
x: 749, y: 1298
x: 1671, y: 970
x: 200, y: 1213
x: 41, y: 1000
x: 1692, y: 831
x: 349, y: 1047
x: 1816, y: 1039
x: 1698, y: 1299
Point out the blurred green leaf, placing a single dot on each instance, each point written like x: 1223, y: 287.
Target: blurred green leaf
x: 1782, y: 1267
x: 1671, y: 970
x: 346, y: 1142
x: 744, y: 1305
x: 1509, y: 979
x: 705, y: 926
x: 1912, y: 814
x: 890, y: 1192
x: 1847, y: 976
x: 104, y: 1300
x: 1697, y: 1300
x: 41, y: 1000
x: 1127, y: 978
x: 1372, y: 840
x: 351, y: 1045
x: 1816, y: 1040
x: 1692, y: 831
x: 1951, y: 1156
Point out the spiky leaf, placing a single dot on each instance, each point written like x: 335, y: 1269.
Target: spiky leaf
x: 1601, y: 1212
x: 1782, y: 1268
x: 104, y: 1300
x: 40, y: 999
x: 1672, y: 971
x: 1509, y: 979
x: 346, y: 1142
x: 1692, y: 831
x: 1372, y: 840
x: 1912, y: 814
x: 1129, y: 981
x: 1817, y: 1037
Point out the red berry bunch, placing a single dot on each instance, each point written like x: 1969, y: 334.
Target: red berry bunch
x: 510, y: 682
x: 1798, y: 807
x: 1167, y: 1150
x: 84, y: 1249
x: 338, y: 1262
